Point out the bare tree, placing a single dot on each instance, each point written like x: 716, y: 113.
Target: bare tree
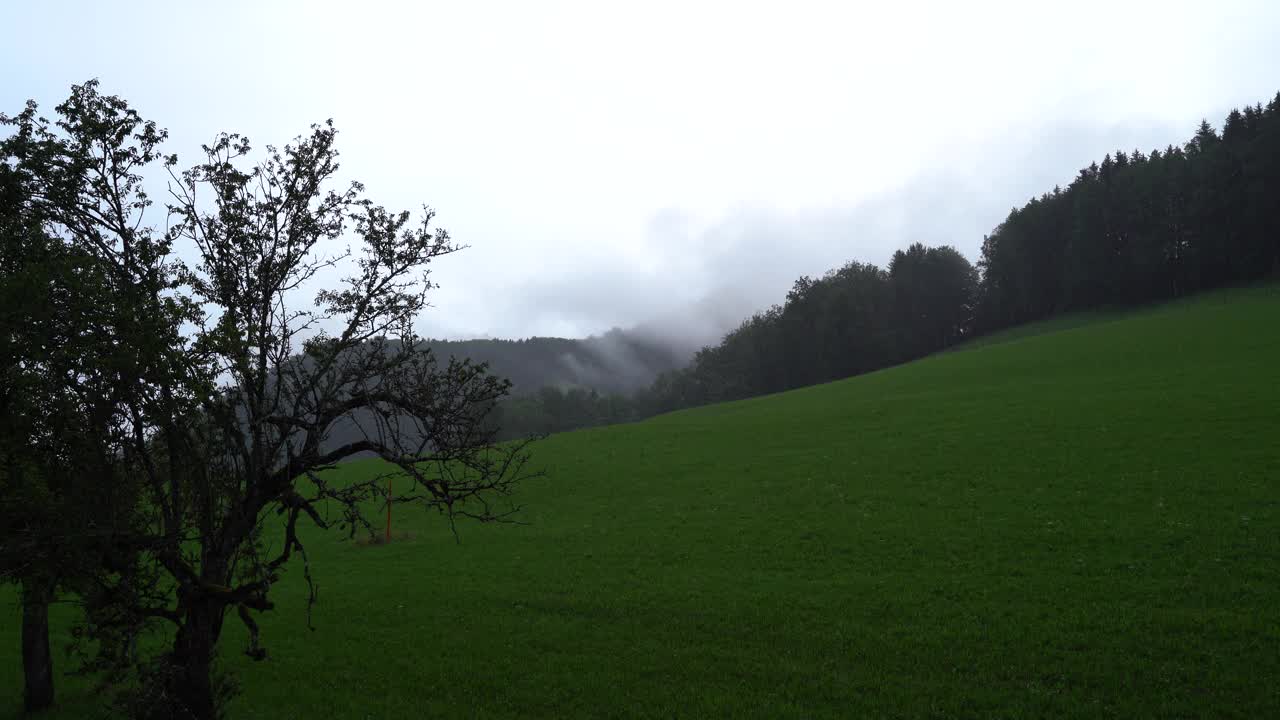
x: 231, y: 427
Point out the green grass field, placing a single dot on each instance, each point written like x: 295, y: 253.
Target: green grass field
x: 1076, y: 523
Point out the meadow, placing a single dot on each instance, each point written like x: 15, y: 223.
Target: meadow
x: 1082, y: 521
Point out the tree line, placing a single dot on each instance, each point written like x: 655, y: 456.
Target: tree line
x: 851, y: 320
x: 1134, y: 228
x: 1139, y: 227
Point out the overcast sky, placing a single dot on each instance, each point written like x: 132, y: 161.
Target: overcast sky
x: 614, y: 163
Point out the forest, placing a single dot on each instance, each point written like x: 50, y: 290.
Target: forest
x: 1135, y: 228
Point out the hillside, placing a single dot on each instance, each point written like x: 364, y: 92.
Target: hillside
x: 618, y: 361
x: 1081, y: 522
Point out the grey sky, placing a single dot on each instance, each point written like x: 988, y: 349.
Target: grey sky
x: 611, y: 164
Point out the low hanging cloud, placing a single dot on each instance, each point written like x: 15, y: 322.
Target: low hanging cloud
x: 688, y: 282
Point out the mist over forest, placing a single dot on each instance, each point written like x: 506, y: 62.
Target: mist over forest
x: 1131, y: 228
x: 619, y: 361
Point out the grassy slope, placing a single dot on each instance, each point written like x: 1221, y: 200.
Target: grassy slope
x: 1072, y: 524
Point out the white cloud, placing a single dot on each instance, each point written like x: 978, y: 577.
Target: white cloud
x: 611, y: 164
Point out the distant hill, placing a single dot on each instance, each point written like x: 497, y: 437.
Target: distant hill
x: 615, y: 364
x: 619, y: 361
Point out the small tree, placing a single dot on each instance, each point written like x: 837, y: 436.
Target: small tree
x: 231, y: 423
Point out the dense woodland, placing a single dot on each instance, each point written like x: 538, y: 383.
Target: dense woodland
x: 1134, y: 228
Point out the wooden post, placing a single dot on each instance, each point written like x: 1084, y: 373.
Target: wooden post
x: 388, y: 509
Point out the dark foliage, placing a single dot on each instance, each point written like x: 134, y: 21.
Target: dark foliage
x: 1139, y: 228
x: 852, y: 320
x: 61, y: 362
x: 209, y: 390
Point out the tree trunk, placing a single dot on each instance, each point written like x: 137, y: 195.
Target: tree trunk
x: 191, y: 683
x: 37, y: 661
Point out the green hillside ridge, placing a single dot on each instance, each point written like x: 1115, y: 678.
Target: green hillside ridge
x: 1079, y: 523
